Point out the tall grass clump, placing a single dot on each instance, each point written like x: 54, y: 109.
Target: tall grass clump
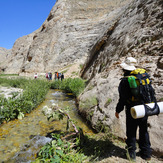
x: 8, y: 75
x: 65, y: 146
x: 75, y: 85
x: 34, y: 92
x: 17, y: 82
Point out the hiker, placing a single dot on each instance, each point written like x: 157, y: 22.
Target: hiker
x: 55, y: 76
x: 47, y: 76
x: 59, y: 74
x: 62, y: 76
x: 35, y: 76
x: 50, y: 76
x: 125, y: 99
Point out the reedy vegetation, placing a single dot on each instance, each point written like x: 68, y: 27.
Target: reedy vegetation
x: 67, y: 147
x: 34, y: 92
x: 75, y: 85
x: 72, y: 146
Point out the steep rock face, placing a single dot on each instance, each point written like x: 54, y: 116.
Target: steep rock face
x: 16, y: 60
x: 138, y: 33
x: 4, y: 55
x: 70, y: 30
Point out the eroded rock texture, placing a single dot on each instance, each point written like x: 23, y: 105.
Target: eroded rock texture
x: 137, y: 32
x: 66, y: 36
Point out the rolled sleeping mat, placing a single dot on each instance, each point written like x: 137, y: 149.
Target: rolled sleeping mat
x: 139, y: 111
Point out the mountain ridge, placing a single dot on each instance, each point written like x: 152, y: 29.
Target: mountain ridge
x: 65, y: 36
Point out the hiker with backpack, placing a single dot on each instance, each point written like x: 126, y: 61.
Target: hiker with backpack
x: 129, y: 97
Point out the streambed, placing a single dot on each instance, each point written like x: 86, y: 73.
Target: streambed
x: 20, y: 140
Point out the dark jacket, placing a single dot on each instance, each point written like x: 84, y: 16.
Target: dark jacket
x: 125, y: 96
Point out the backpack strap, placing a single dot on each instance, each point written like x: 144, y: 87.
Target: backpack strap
x: 152, y: 111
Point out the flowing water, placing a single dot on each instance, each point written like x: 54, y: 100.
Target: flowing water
x: 20, y: 140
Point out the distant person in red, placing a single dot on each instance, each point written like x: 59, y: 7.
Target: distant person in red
x: 58, y: 75
x: 35, y: 76
x: 47, y: 76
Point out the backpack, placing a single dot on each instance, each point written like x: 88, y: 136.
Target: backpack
x: 142, y: 89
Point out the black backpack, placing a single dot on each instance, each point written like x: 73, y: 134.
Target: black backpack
x: 144, y: 92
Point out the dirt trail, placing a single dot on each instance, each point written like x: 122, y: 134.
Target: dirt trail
x: 116, y: 153
x: 119, y: 158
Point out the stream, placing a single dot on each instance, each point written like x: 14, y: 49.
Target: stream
x: 20, y: 140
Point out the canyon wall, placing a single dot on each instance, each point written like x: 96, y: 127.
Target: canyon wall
x: 137, y: 33
x: 65, y: 37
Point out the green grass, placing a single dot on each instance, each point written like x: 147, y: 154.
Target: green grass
x: 34, y: 92
x: 82, y: 148
x: 69, y: 85
x: 8, y: 75
x: 64, y: 71
x: 60, y: 151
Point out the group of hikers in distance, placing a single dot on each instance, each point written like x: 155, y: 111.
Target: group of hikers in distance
x: 49, y: 76
x: 57, y: 76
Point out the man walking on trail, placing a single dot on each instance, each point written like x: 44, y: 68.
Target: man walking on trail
x: 125, y: 96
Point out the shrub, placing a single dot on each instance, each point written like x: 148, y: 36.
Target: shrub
x: 75, y: 86
x: 60, y: 151
x: 34, y: 92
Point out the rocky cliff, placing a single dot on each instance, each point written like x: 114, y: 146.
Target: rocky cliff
x: 65, y: 37
x: 4, y: 55
x: 137, y: 32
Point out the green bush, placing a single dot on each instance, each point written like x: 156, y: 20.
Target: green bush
x: 60, y: 151
x: 17, y: 83
x: 75, y: 86
x: 34, y: 92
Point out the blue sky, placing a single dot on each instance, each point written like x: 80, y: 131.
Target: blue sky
x: 21, y: 17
